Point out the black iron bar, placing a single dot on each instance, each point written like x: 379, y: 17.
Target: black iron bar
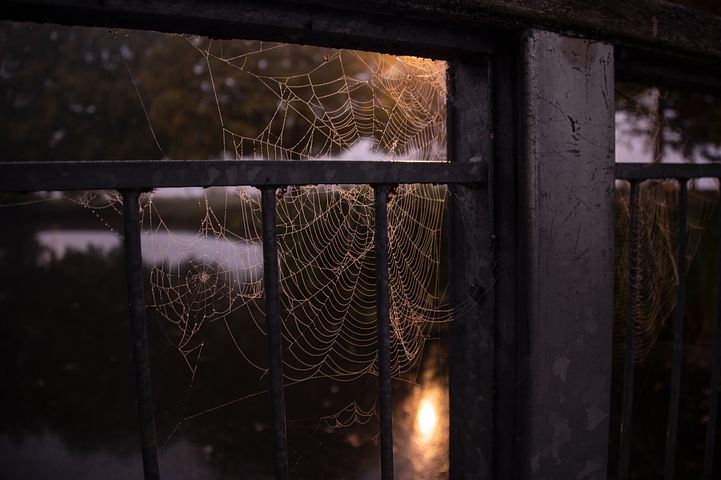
x: 384, y: 331
x: 149, y: 174
x: 672, y: 426
x: 384, y: 25
x: 648, y: 171
x: 715, y: 370
x: 289, y: 22
x: 624, y: 448
x: 272, y: 322
x: 141, y: 358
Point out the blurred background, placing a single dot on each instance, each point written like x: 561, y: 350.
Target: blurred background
x: 67, y: 402
x: 68, y: 391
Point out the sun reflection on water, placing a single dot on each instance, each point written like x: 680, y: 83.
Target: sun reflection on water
x: 422, y: 441
x: 427, y: 419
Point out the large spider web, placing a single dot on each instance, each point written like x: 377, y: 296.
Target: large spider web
x: 342, y: 98
x: 343, y: 105
x: 327, y: 277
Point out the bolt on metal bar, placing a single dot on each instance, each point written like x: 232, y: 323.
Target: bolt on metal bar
x: 272, y: 319
x: 715, y: 371
x: 141, y: 358
x: 384, y: 331
x: 672, y: 426
x: 628, y: 370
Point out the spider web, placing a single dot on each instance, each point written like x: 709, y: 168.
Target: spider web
x: 343, y: 105
x: 397, y: 103
x: 658, y: 275
x: 645, y: 117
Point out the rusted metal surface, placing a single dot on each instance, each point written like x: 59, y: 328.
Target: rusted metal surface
x: 568, y: 192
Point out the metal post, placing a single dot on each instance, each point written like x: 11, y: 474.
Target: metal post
x: 628, y: 369
x: 677, y: 365
x: 715, y: 370
x: 136, y: 296
x: 384, y: 331
x: 567, y: 189
x: 272, y: 319
x: 508, y: 335
x: 470, y: 272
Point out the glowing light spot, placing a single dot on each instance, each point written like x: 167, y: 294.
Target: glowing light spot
x: 427, y: 419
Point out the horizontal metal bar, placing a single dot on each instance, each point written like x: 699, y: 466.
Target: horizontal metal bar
x: 146, y: 175
x: 652, y: 24
x: 263, y: 20
x: 648, y: 171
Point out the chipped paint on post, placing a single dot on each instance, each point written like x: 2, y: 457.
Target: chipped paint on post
x: 567, y: 212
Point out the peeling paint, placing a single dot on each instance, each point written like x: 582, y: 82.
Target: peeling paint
x: 569, y: 152
x: 560, y: 368
x: 536, y: 462
x: 595, y: 417
x: 561, y: 435
x: 592, y: 465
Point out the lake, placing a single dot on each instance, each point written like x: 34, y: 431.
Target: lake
x: 69, y: 385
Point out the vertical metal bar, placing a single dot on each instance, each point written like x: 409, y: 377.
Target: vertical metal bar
x: 272, y: 319
x: 672, y: 425
x: 715, y: 369
x: 471, y: 355
x: 384, y: 331
x: 624, y: 449
x: 508, y: 431
x: 136, y: 297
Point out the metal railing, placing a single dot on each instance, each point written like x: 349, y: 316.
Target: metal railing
x: 133, y: 177
x: 682, y: 173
